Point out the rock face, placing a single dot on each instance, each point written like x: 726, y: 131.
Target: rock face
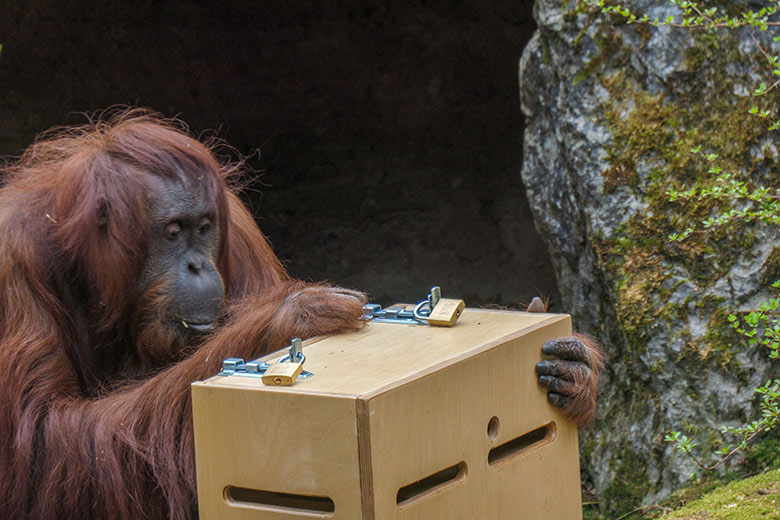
x: 613, y: 113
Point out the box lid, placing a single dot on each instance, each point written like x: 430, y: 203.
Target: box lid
x: 384, y: 355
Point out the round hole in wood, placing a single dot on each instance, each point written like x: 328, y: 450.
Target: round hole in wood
x: 493, y: 428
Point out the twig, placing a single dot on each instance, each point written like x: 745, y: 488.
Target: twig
x: 724, y: 459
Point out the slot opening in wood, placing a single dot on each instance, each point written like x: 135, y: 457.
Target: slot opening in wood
x: 519, y: 446
x: 432, y: 484
x: 494, y: 428
x: 307, y: 505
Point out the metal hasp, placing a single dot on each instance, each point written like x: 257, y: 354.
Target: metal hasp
x: 258, y: 368
x: 236, y: 367
x: 434, y: 310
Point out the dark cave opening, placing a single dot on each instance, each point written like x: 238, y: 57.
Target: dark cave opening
x: 387, y: 136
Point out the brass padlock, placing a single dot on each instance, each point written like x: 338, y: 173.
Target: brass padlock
x: 282, y: 374
x: 446, y: 312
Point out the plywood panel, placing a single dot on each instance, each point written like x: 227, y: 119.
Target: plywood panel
x: 385, y: 354
x: 442, y: 419
x: 298, y: 444
x: 388, y: 406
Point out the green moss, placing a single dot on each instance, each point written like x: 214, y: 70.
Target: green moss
x: 694, y: 490
x: 720, y: 343
x: 637, y: 311
x: 629, y: 486
x: 546, y: 53
x: 765, y: 454
x: 653, y: 135
x: 587, y: 447
x: 635, y: 134
x: 652, y: 129
x: 609, y: 43
x: 657, y: 368
x: 748, y: 499
x: 590, y: 514
x: 770, y: 270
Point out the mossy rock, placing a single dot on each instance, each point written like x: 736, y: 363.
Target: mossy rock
x: 749, y: 499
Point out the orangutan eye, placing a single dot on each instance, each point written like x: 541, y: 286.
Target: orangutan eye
x: 172, y: 230
x: 204, y: 228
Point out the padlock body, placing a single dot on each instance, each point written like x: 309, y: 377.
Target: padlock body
x: 446, y: 312
x: 282, y: 374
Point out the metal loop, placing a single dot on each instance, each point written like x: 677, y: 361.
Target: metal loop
x: 286, y: 358
x: 418, y: 315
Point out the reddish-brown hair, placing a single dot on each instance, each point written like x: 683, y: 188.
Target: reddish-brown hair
x: 86, y: 185
x: 88, y: 430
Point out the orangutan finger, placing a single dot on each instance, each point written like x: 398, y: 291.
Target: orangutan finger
x: 569, y: 348
x: 558, y: 400
x: 557, y: 385
x: 536, y: 305
x: 569, y: 370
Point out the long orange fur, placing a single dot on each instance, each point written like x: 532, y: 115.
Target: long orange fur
x: 95, y: 418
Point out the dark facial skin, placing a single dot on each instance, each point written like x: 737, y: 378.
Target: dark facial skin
x: 182, y: 254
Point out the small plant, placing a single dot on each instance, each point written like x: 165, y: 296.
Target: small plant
x: 737, y: 200
x: 762, y: 326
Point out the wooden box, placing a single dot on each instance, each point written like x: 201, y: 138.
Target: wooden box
x: 398, y: 422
